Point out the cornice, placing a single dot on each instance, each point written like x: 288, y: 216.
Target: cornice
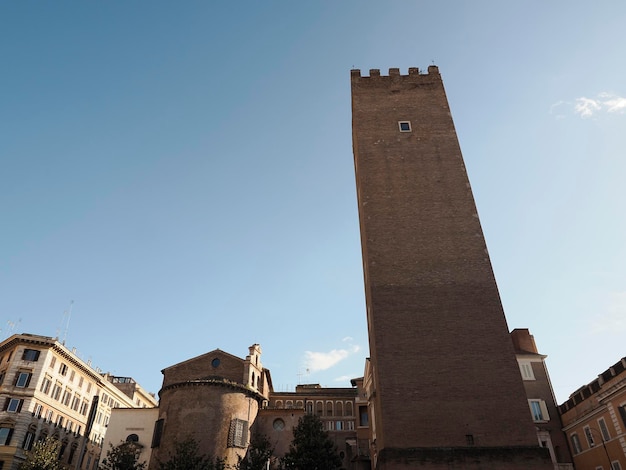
x: 612, y: 390
x: 577, y: 422
x: 52, y: 344
x: 215, y: 382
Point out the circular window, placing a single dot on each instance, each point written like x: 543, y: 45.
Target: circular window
x: 279, y: 424
x: 215, y: 362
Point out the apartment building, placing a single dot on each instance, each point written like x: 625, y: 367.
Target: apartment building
x: 541, y: 401
x: 594, y: 419
x: 47, y: 390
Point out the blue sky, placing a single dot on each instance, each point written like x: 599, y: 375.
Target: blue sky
x: 183, y: 173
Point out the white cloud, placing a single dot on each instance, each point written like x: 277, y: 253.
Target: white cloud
x: 604, y: 102
x: 589, y: 107
x: 585, y: 107
x: 616, y: 104
x: 613, y: 319
x: 315, y: 360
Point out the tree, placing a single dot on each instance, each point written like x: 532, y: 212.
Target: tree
x: 43, y: 456
x: 124, y: 456
x: 311, y: 448
x: 186, y: 456
x: 259, y: 453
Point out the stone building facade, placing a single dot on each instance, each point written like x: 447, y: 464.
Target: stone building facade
x: 440, y: 351
x: 594, y: 420
x: 47, y: 390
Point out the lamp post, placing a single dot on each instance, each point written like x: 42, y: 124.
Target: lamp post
x: 603, y: 444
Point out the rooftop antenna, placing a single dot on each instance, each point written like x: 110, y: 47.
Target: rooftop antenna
x: 300, y: 374
x: 11, y: 326
x: 67, y: 313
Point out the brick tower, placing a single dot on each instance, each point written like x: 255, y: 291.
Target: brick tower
x: 447, y: 392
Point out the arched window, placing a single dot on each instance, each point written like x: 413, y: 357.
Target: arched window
x: 29, y: 438
x: 289, y: 404
x: 329, y: 408
x: 279, y: 404
x: 299, y: 404
x: 132, y: 438
x: 309, y: 407
x: 349, y: 410
x: 72, y: 452
x: 339, y: 408
x: 319, y: 408
x: 63, y: 447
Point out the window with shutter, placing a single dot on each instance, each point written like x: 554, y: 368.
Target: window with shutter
x: 238, y: 433
x: 538, y: 410
x: 158, y: 431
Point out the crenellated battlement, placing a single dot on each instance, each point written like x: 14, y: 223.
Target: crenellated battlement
x: 355, y: 74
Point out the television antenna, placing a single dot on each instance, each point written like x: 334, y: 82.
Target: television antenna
x: 67, y: 316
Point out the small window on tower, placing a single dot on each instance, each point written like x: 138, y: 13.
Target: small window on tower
x: 405, y: 126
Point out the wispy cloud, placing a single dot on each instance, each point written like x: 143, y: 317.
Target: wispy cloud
x: 586, y: 107
x: 557, y: 109
x: 317, y: 360
x: 613, y: 103
x: 613, y: 319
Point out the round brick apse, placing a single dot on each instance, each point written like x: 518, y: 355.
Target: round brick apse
x: 216, y: 413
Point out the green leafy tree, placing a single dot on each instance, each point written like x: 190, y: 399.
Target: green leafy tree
x: 311, y: 448
x: 124, y: 456
x: 259, y: 453
x: 43, y: 456
x: 187, y: 456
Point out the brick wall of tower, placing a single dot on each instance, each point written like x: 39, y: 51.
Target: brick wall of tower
x: 444, y: 367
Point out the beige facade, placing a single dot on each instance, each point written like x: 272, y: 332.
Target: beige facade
x: 47, y: 390
x: 594, y: 420
x: 132, y: 425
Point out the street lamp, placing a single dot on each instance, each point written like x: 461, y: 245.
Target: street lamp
x: 603, y: 444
